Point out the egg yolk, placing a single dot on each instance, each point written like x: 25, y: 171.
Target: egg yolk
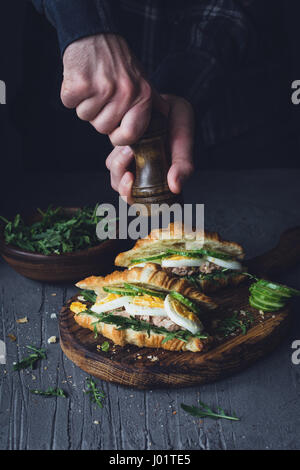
x: 109, y: 298
x: 77, y: 307
x: 184, y: 312
x: 148, y: 301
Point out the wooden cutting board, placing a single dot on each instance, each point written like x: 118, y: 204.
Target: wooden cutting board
x: 147, y: 368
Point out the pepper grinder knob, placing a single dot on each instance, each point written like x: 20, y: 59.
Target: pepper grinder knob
x: 153, y: 160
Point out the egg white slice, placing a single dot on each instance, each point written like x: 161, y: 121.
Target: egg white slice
x: 181, y: 262
x: 146, y: 305
x: 110, y: 302
x: 229, y: 264
x: 182, y: 316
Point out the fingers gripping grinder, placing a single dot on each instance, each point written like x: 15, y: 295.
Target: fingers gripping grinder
x: 152, y: 161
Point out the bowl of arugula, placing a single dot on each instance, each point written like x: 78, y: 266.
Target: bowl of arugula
x: 56, y: 245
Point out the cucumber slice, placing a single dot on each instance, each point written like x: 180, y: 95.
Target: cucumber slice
x: 280, y: 289
x: 119, y: 290
x: 185, y: 301
x: 265, y: 293
x: 142, y: 290
x: 259, y: 306
x: 199, y: 253
x: 148, y: 258
x: 267, y: 303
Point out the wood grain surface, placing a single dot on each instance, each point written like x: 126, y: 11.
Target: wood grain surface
x: 264, y: 396
x: 135, y: 366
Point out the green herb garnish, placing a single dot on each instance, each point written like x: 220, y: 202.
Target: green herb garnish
x: 105, y: 346
x: 30, y: 360
x: 89, y: 296
x: 96, y: 396
x: 55, y: 233
x: 230, y: 324
x: 214, y: 276
x: 50, y: 392
x: 122, y: 323
x: 205, y: 411
x: 95, y: 331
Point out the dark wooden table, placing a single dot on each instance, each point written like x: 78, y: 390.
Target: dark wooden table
x: 251, y: 207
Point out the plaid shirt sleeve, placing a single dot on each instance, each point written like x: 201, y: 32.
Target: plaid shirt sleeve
x: 75, y: 19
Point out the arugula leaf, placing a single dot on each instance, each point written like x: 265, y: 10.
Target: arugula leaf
x: 89, y: 296
x: 204, y: 411
x: 139, y: 325
x: 231, y: 324
x: 30, y: 360
x: 50, y: 392
x: 96, y: 396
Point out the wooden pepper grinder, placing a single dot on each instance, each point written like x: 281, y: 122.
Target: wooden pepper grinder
x: 153, y: 160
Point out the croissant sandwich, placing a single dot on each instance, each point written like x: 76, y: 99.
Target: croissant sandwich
x: 205, y: 260
x: 144, y: 306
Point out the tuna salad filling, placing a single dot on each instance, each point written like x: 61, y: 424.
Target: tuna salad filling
x: 163, y: 322
x: 205, y: 268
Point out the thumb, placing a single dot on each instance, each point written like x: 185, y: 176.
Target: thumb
x: 181, y: 138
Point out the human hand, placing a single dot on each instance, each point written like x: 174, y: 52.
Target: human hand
x: 105, y: 83
x: 181, y: 138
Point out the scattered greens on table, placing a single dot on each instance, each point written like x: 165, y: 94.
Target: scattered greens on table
x: 50, y: 392
x: 205, y: 411
x: 30, y: 360
x: 55, y: 233
x: 96, y: 396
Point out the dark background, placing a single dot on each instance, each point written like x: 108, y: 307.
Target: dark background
x: 38, y: 133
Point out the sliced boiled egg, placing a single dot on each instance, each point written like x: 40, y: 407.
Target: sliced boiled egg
x: 110, y: 302
x: 178, y: 261
x: 229, y: 264
x: 146, y: 305
x: 77, y: 307
x: 182, y: 316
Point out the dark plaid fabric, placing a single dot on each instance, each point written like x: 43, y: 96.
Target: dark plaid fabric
x: 191, y: 48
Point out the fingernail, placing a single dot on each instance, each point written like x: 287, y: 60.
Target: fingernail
x: 126, y: 150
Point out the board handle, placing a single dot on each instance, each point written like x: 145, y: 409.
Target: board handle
x: 285, y: 255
